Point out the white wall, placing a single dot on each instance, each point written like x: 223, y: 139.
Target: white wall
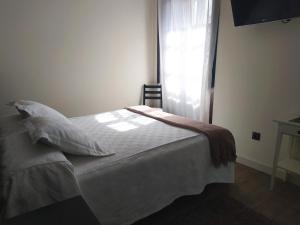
x: 257, y: 80
x: 79, y: 56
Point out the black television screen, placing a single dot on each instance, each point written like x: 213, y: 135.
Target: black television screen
x: 258, y: 11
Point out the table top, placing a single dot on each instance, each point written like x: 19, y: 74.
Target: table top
x: 296, y: 120
x: 292, y: 122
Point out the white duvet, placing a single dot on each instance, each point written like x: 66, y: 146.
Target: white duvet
x: 154, y: 164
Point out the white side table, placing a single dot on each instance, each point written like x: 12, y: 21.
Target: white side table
x: 290, y: 165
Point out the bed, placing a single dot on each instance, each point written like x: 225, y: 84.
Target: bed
x: 154, y: 163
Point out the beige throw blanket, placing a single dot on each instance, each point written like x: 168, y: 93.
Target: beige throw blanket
x: 222, y: 145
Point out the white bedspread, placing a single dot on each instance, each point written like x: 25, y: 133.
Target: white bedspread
x: 154, y: 164
x: 125, y: 133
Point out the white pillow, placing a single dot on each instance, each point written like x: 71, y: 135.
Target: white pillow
x: 67, y: 136
x: 35, y: 109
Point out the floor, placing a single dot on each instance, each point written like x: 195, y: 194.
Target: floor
x: 252, y: 188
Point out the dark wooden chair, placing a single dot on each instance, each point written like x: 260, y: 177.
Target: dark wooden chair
x: 153, y: 91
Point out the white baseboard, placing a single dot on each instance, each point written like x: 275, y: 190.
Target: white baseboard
x: 295, y: 179
x: 254, y: 164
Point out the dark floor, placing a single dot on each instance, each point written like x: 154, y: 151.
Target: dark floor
x: 252, y: 188
x: 282, y: 205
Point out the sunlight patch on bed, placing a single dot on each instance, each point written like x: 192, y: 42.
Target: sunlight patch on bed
x: 143, y: 120
x: 124, y: 113
x: 122, y: 126
x: 105, y: 118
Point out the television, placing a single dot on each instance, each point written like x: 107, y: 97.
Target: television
x: 247, y: 12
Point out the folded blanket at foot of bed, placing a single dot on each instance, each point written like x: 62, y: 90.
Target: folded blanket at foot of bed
x: 222, y: 145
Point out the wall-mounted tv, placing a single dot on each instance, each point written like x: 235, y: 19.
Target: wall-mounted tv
x: 258, y: 11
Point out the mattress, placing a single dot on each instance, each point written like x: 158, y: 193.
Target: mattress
x: 154, y: 164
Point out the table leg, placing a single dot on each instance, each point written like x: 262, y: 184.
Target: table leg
x: 291, y: 145
x: 276, y: 157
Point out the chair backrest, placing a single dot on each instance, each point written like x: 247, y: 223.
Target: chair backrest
x: 153, y: 91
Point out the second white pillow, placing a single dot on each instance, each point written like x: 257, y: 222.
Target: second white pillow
x: 36, y: 109
x: 67, y: 136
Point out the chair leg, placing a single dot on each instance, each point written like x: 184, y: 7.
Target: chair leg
x: 144, y: 96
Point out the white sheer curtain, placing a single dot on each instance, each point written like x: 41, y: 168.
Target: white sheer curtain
x: 187, y: 33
